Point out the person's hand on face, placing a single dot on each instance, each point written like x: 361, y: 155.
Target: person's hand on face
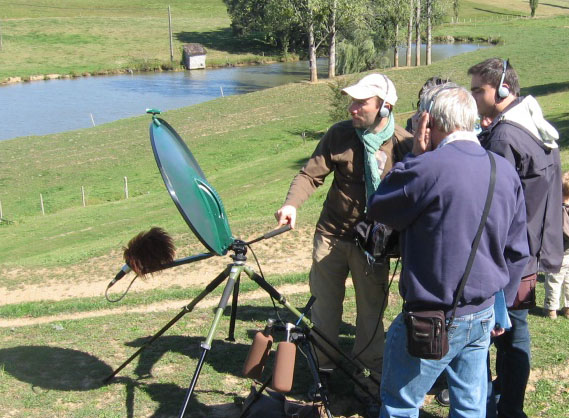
x: 415, y: 121
x: 422, y: 138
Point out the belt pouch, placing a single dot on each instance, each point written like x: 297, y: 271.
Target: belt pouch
x: 426, y: 334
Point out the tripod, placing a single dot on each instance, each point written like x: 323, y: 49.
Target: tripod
x: 232, y: 274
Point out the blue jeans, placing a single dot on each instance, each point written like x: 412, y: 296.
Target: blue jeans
x: 406, y: 379
x: 513, y: 357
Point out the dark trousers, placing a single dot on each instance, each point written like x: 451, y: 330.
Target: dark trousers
x: 512, y: 369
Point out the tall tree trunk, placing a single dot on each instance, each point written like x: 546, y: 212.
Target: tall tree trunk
x: 455, y: 7
x: 332, y: 47
x: 429, y: 30
x: 395, y: 51
x: 418, y: 34
x: 312, y: 53
x: 410, y: 33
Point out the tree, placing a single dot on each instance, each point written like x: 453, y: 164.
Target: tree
x: 455, y: 9
x: 356, y: 56
x: 418, y: 34
x: 332, y: 41
x: 395, y: 47
x: 410, y: 32
x: 533, y: 6
x: 319, y: 20
x: 429, y: 31
x: 391, y: 15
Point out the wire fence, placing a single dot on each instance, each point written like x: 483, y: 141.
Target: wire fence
x: 55, y: 200
x: 487, y: 19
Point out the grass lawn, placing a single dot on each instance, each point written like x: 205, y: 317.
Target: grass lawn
x: 72, y: 37
x: 58, y: 366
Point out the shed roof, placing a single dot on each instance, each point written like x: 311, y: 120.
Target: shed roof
x: 194, y: 49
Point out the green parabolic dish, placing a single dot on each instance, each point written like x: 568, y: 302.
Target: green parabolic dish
x: 198, y: 202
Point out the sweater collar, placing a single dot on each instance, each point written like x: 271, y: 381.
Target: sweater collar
x: 459, y: 136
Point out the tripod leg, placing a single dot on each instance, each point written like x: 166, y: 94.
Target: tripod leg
x: 282, y: 300
x: 236, y: 270
x: 231, y: 336
x: 193, y: 382
x: 314, y: 370
x: 188, y: 308
x: 342, y: 368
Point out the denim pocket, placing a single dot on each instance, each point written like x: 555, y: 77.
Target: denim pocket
x: 487, y: 324
x: 451, y: 330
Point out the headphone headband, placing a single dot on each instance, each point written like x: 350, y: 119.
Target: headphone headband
x: 383, y: 111
x: 432, y: 101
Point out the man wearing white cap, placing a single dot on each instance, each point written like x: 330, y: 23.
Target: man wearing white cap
x: 359, y: 153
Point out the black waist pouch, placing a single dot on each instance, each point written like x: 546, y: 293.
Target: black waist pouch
x: 426, y: 334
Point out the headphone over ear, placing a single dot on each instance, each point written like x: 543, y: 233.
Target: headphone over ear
x: 503, y: 91
x: 384, y: 111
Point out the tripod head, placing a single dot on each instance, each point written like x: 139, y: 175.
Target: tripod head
x: 240, y: 249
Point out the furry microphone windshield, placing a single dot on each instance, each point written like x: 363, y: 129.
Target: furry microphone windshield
x: 147, y: 252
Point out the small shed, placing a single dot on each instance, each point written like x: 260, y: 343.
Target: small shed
x: 194, y: 56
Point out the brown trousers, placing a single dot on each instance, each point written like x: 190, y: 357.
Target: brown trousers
x: 332, y: 260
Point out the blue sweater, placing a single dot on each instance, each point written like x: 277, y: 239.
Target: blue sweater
x: 436, y: 200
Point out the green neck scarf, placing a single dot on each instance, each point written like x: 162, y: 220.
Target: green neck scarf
x: 372, y: 142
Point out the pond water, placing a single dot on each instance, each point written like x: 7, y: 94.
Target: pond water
x: 51, y: 106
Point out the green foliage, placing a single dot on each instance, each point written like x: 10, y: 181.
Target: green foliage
x: 387, y: 14
x: 356, y: 57
x: 338, y: 102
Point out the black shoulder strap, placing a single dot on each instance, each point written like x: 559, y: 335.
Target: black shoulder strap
x: 478, y: 235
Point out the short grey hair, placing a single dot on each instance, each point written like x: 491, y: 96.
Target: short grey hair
x: 452, y: 107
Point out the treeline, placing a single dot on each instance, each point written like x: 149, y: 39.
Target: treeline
x: 352, y: 33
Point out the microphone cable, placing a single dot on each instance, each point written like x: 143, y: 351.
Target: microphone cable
x: 121, y: 296
x: 263, y: 277
x: 381, y: 312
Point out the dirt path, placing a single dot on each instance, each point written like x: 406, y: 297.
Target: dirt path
x: 174, y: 306
x: 289, y: 253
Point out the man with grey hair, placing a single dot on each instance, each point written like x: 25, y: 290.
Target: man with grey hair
x: 436, y: 198
x: 358, y: 153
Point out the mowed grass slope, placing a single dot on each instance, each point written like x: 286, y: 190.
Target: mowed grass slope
x: 73, y: 37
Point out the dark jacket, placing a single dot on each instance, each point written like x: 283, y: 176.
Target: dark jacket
x: 341, y: 152
x: 539, y: 169
x: 436, y: 200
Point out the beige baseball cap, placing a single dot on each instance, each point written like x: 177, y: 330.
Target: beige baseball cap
x: 373, y: 85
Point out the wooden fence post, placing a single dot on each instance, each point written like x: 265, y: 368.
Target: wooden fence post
x: 41, y: 203
x: 170, y: 33
x: 83, y: 195
x: 125, y: 188
x: 1, y: 214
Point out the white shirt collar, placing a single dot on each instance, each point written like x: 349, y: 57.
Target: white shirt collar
x: 460, y: 136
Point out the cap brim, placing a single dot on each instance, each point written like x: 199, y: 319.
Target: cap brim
x: 358, y: 92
